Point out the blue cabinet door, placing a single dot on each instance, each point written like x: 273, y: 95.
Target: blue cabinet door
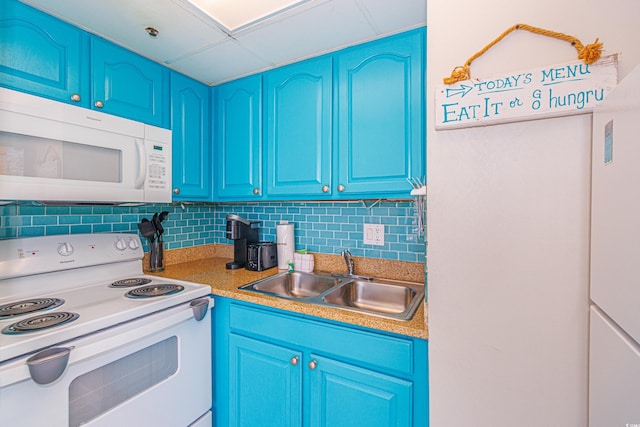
x: 344, y: 395
x: 238, y: 146
x: 381, y: 116
x: 128, y: 85
x: 190, y: 125
x: 298, y: 101
x: 42, y: 55
x: 279, y: 368
x: 265, y: 384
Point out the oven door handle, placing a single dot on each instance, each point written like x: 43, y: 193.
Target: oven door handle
x: 107, y: 340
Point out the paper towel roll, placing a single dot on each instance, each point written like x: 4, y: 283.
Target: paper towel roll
x: 286, y: 244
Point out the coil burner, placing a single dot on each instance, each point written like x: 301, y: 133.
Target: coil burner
x: 40, y: 322
x: 151, y: 291
x: 131, y: 282
x: 28, y: 306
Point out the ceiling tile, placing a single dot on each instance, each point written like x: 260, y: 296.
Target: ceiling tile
x: 325, y: 27
x: 220, y: 63
x: 403, y: 15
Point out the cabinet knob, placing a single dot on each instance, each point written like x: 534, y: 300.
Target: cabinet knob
x: 313, y: 364
x: 99, y: 104
x: 294, y: 360
x: 176, y: 191
x: 75, y: 97
x: 341, y: 188
x: 256, y: 191
x: 325, y: 188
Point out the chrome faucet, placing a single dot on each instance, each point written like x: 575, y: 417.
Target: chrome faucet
x: 347, y: 258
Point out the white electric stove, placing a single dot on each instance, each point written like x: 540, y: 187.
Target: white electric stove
x: 76, y: 311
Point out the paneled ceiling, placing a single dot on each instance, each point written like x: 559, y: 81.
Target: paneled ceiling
x: 190, y: 42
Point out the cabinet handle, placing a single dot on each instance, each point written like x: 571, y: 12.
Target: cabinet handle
x: 75, y: 97
x: 341, y: 188
x: 256, y: 191
x: 176, y: 191
x: 99, y: 104
x: 294, y: 360
x: 313, y: 364
x: 325, y: 188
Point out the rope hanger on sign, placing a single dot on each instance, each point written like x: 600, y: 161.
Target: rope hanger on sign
x: 589, y: 53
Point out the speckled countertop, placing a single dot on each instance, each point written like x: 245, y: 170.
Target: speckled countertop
x: 210, y: 268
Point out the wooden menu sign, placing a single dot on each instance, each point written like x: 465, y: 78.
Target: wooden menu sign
x: 571, y: 88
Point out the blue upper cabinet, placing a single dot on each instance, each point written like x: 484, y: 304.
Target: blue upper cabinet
x: 298, y: 112
x: 128, y: 85
x: 346, y: 125
x: 381, y: 113
x: 238, y: 146
x: 42, y: 55
x: 191, y: 133
x: 45, y: 56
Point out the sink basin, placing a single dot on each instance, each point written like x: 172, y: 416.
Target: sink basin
x: 391, y: 299
x: 371, y: 296
x: 294, y: 285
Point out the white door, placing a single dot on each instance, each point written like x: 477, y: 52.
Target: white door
x: 614, y: 375
x: 615, y: 199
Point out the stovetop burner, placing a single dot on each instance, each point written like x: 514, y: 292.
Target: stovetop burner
x: 38, y: 323
x: 154, y: 291
x: 131, y: 282
x: 28, y: 306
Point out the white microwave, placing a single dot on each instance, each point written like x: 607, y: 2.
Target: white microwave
x: 51, y: 151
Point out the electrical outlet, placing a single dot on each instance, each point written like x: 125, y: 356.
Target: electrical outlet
x: 373, y: 234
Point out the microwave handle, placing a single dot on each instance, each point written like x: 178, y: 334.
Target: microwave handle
x: 142, y: 163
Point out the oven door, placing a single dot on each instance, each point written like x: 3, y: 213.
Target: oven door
x: 155, y: 370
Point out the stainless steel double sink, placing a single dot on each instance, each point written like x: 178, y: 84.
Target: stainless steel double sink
x: 391, y: 299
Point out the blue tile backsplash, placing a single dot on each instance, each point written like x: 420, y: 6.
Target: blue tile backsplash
x: 325, y: 227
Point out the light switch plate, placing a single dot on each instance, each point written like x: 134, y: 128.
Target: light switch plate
x: 373, y: 234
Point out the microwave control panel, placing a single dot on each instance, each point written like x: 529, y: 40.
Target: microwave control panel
x: 158, y: 181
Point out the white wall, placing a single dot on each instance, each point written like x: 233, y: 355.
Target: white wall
x: 508, y: 223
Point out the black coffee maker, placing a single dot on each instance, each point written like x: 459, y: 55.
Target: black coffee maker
x: 243, y: 233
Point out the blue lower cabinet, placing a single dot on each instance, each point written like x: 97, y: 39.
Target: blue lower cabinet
x: 268, y: 384
x: 344, y: 395
x: 275, y: 368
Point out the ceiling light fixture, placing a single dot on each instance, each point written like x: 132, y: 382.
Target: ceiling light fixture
x: 153, y: 33
x: 234, y: 15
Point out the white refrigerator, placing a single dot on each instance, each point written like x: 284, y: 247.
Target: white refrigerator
x: 614, y: 345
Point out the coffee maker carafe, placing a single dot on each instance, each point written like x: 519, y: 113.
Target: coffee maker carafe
x: 243, y: 233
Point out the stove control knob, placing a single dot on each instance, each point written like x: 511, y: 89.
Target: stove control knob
x: 121, y: 245
x: 133, y: 244
x: 65, y: 249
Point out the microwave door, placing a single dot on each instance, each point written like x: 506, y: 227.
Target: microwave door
x: 82, y: 156
x: 72, y: 164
